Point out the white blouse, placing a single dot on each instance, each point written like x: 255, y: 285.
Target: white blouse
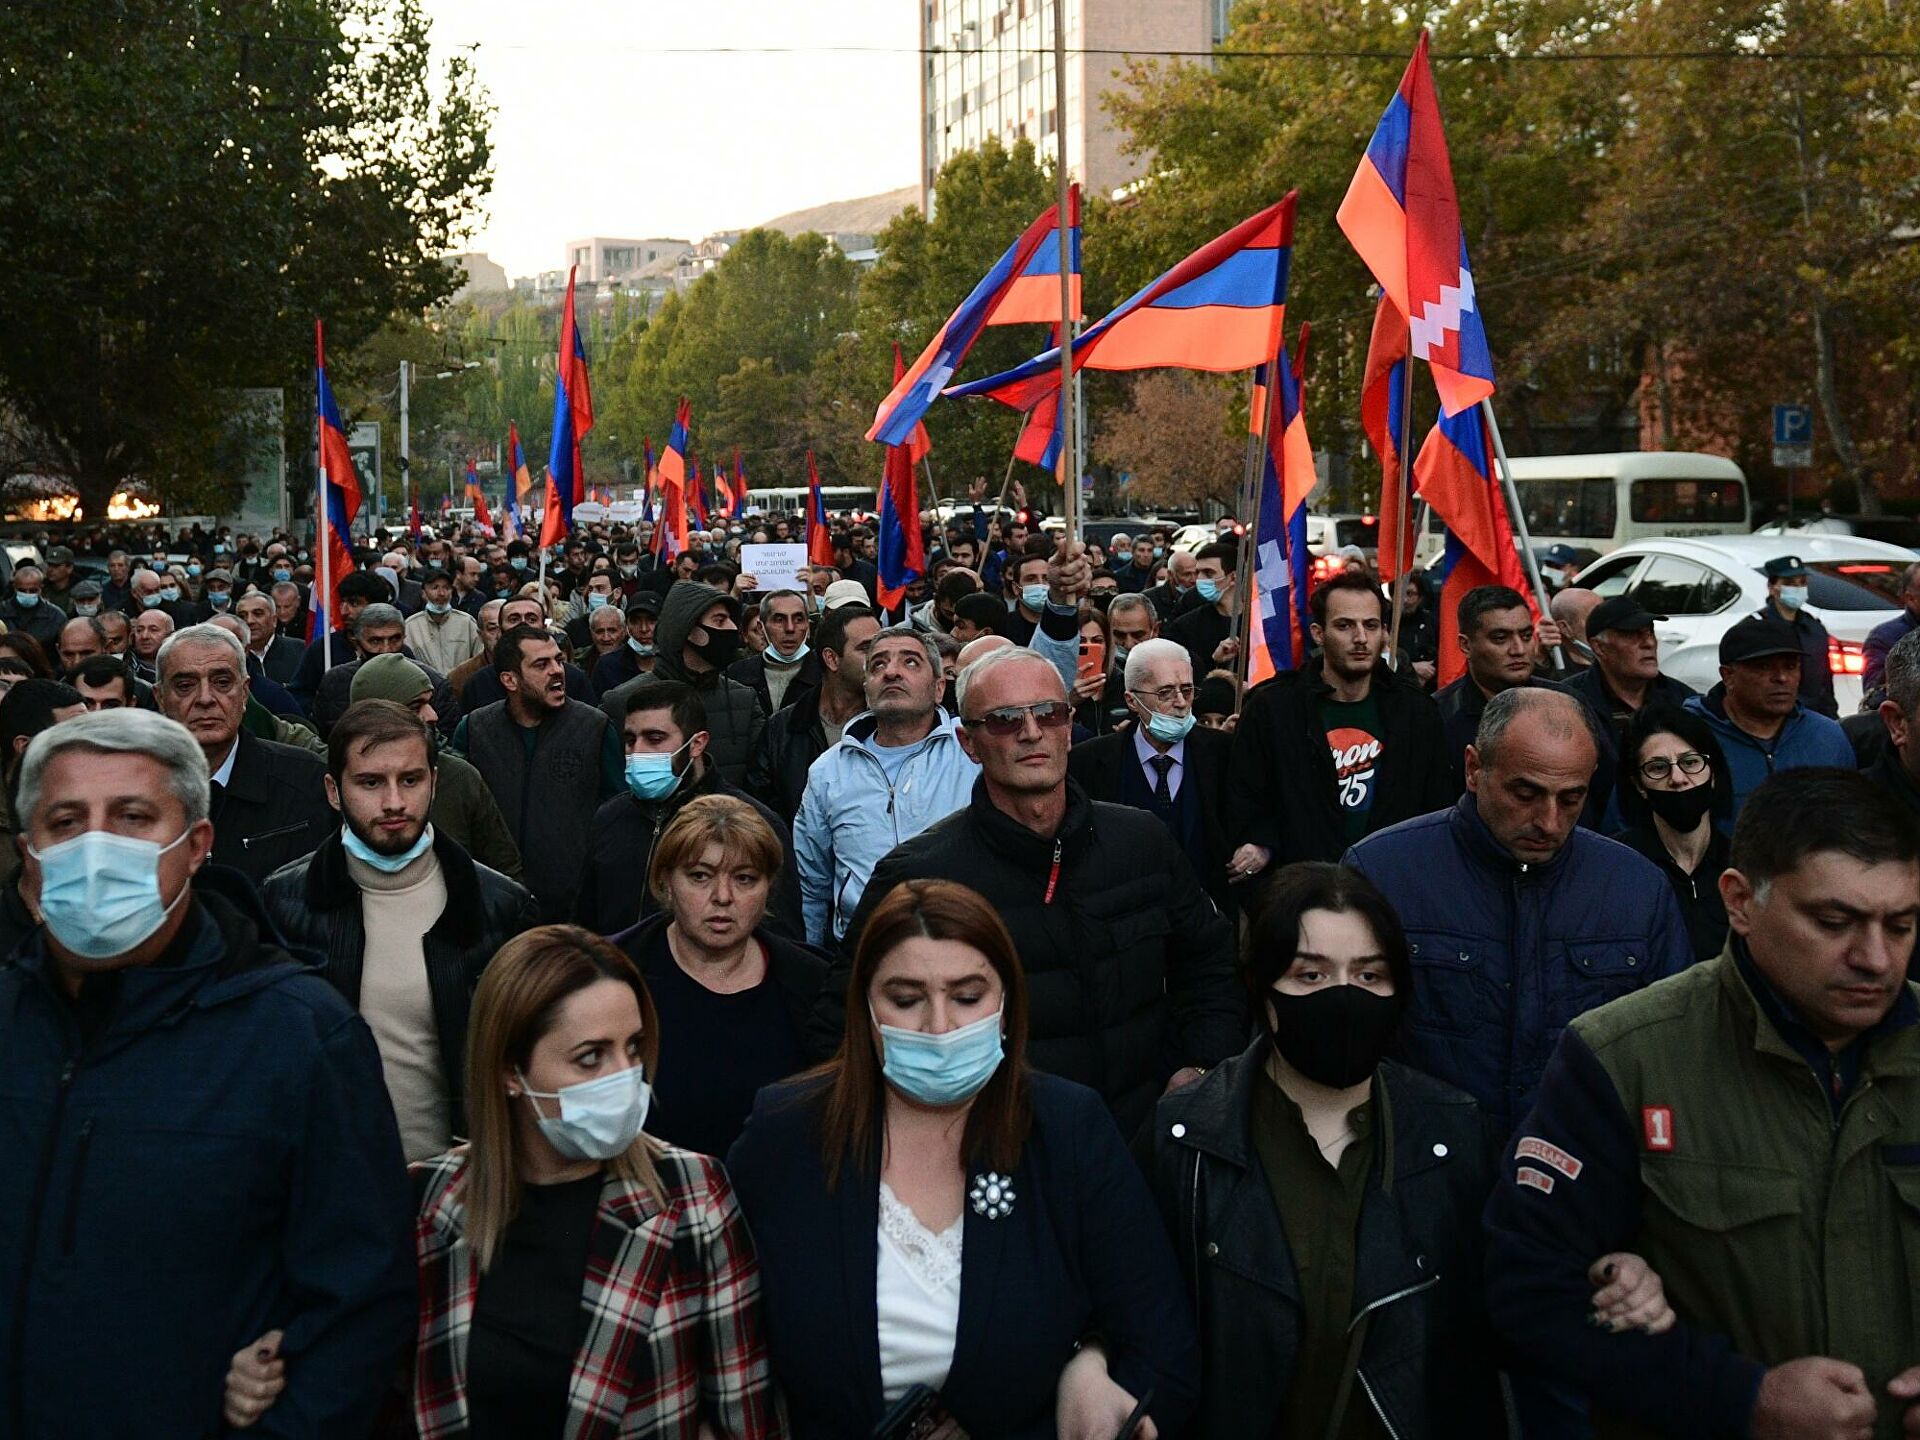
x: 917, y: 1290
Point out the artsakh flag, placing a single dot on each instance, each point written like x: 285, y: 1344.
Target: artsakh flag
x: 339, y: 492
x: 1278, y: 617
x: 819, y: 531
x: 1454, y: 474
x: 1401, y: 214
x: 1219, y: 309
x: 1383, y: 402
x: 1013, y: 291
x: 670, y: 535
x: 902, y: 555
x: 572, y: 419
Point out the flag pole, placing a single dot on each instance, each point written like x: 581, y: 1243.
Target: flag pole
x: 1512, y: 494
x: 322, y: 520
x: 1250, y: 486
x: 1403, y: 543
x: 1069, y: 480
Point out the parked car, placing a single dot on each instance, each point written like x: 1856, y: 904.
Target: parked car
x: 1901, y: 530
x: 1703, y: 585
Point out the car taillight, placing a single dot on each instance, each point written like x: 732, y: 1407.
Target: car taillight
x: 1326, y: 566
x: 1845, y: 658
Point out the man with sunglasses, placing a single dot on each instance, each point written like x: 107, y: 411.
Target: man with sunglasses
x: 1129, y: 965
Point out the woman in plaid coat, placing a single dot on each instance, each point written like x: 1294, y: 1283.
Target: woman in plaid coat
x: 579, y: 1280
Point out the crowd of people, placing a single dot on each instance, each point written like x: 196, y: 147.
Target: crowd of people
x: 588, y: 994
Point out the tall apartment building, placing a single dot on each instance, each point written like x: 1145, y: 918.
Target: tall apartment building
x: 988, y: 70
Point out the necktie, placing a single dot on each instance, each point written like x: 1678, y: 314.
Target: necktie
x: 1162, y: 791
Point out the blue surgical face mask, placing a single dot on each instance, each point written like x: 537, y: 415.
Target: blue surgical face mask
x: 1793, y: 596
x: 219, y: 549
x: 643, y: 651
x: 1209, y: 588
x: 86, y: 609
x: 385, y: 864
x: 595, y: 601
x: 942, y: 1069
x: 193, y: 570
x: 100, y: 892
x: 26, y: 601
x: 1034, y: 597
x: 780, y: 657
x: 439, y: 607
x: 517, y: 562
x: 169, y: 593
x: 152, y: 598
x: 1169, y: 729
x: 599, y: 1119
x: 1159, y: 552
x: 651, y: 776
x: 282, y: 575
x: 219, y: 599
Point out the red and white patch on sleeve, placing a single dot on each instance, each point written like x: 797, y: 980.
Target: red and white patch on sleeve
x: 1657, y: 1122
x: 1532, y: 1147
x: 1534, y: 1179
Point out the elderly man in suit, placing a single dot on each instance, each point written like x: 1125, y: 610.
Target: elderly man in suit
x: 276, y: 655
x: 1165, y: 763
x: 269, y: 801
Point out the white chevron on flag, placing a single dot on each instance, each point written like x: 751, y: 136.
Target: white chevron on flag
x: 1433, y: 323
x: 1271, y: 572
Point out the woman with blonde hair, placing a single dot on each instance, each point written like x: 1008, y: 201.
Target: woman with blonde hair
x: 577, y: 1276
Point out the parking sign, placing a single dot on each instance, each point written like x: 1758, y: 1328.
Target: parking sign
x: 1793, y: 436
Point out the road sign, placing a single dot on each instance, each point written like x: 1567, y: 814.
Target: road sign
x: 1793, y: 437
x: 1793, y: 425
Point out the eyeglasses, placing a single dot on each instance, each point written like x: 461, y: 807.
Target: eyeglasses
x: 1691, y: 762
x: 1012, y: 719
x: 1167, y: 694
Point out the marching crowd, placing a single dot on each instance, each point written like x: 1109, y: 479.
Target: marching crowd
x: 588, y: 995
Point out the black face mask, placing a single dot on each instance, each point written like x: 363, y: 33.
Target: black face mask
x: 721, y: 649
x: 1681, y: 809
x: 1335, y: 1036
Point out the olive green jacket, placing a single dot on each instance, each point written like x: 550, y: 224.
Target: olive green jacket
x: 1680, y: 1123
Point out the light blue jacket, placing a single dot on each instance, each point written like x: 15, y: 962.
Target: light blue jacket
x: 850, y: 816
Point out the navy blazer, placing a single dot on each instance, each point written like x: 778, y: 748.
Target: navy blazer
x: 1082, y: 1252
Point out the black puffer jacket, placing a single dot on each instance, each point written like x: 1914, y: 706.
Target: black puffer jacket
x: 734, y: 716
x: 1129, y: 965
x: 315, y: 903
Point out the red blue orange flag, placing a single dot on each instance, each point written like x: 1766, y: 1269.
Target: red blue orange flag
x: 1401, y: 214
x: 900, y: 555
x: 739, y: 509
x: 819, y: 531
x: 652, y: 480
x: 477, y: 498
x: 670, y: 535
x: 1278, y: 616
x: 339, y: 493
x: 413, y: 517
x: 1219, y: 309
x: 1383, y: 403
x: 572, y: 419
x: 1454, y: 474
x: 1040, y: 433
x: 698, y: 493
x: 1011, y: 292
x: 519, y: 484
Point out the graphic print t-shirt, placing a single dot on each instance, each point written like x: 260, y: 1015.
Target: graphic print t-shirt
x: 1353, y: 735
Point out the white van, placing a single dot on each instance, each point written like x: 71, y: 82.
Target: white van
x: 1597, y: 502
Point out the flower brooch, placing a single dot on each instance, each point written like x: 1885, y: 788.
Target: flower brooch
x: 992, y: 1195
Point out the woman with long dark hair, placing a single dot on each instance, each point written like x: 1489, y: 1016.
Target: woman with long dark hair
x: 946, y: 1236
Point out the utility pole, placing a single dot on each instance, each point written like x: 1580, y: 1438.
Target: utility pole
x: 406, y: 463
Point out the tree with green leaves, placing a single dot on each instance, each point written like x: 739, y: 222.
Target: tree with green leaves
x: 187, y: 188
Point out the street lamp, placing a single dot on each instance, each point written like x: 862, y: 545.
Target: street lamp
x: 406, y: 456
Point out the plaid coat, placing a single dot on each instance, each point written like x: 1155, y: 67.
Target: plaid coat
x: 674, y: 1331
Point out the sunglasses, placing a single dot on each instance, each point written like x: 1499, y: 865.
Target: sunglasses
x: 1012, y: 719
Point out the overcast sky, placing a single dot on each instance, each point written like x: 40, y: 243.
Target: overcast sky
x: 599, y: 131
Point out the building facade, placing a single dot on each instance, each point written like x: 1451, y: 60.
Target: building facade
x: 602, y: 258
x: 988, y: 70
